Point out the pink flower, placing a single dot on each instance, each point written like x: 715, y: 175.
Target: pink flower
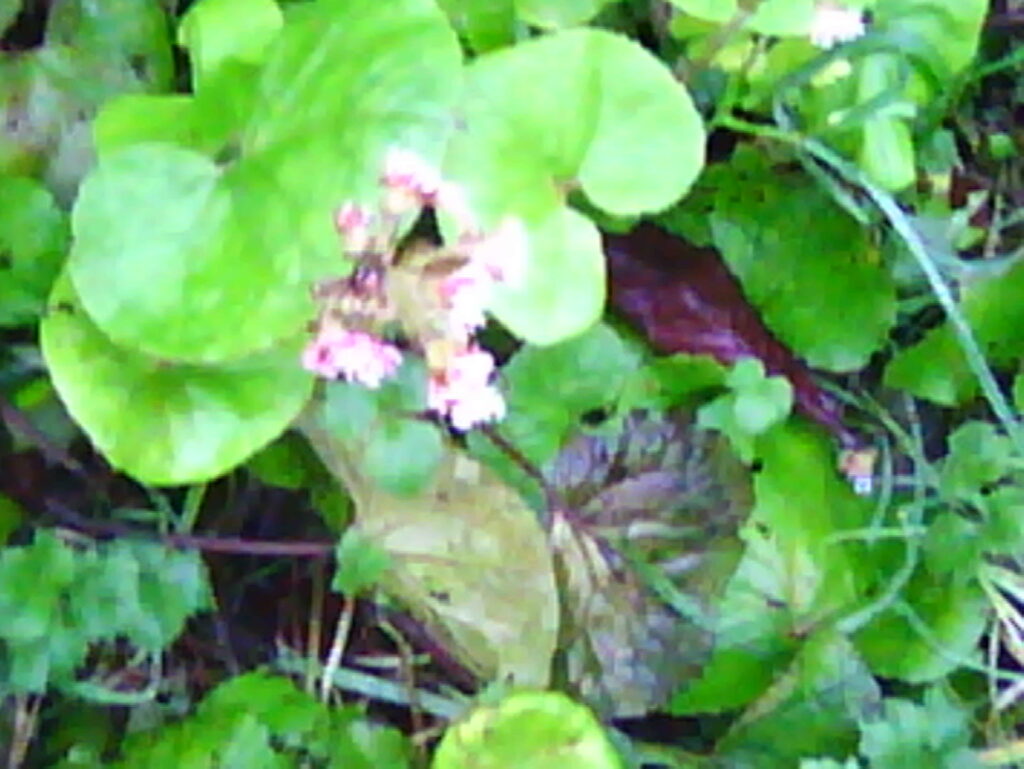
x: 353, y: 221
x: 354, y: 355
x: 503, y: 252
x: 411, y: 181
x: 465, y: 295
x: 463, y: 392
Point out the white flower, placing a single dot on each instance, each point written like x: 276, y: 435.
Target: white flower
x: 463, y: 393
x: 833, y: 24
x: 354, y: 355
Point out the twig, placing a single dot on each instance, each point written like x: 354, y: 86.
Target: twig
x: 210, y: 544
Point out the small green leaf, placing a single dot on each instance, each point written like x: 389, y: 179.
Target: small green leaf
x: 216, y: 30
x: 529, y: 730
x: 486, y: 24
x: 935, y: 734
x: 978, y: 456
x: 936, y: 367
x: 360, y: 563
x: 167, y: 423
x: 402, y: 455
x: 33, y: 240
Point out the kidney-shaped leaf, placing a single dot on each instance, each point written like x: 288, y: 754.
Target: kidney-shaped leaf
x: 581, y: 108
x: 213, y: 261
x: 585, y: 107
x: 167, y: 423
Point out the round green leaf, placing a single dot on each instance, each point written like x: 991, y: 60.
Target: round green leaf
x: 581, y: 108
x: 33, y: 239
x: 167, y: 423
x: 563, y: 289
x: 184, y: 260
x: 214, y: 262
x: 585, y: 107
x: 528, y: 730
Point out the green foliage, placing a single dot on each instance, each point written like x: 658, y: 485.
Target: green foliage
x: 33, y: 238
x: 805, y: 263
x: 257, y: 720
x: 934, y: 733
x: 360, y: 562
x: 397, y: 450
x: 533, y: 730
x: 58, y: 600
x: 566, y: 106
x: 168, y: 422
x: 754, y: 404
x: 937, y: 369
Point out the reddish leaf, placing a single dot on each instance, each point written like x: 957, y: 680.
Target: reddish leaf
x: 686, y: 301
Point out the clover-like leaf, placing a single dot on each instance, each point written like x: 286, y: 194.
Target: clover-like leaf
x: 167, y: 423
x: 216, y: 254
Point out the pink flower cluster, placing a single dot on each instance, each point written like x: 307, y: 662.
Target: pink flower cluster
x: 460, y: 385
x: 462, y: 391
x: 354, y: 355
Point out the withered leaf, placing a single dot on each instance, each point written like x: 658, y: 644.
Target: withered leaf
x: 685, y: 300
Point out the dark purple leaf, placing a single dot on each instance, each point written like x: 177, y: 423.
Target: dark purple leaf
x: 685, y: 300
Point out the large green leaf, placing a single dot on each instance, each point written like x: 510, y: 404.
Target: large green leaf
x: 936, y: 367
x: 467, y: 555
x: 33, y: 239
x: 216, y: 258
x: 580, y: 108
x: 161, y: 422
x: 806, y: 264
